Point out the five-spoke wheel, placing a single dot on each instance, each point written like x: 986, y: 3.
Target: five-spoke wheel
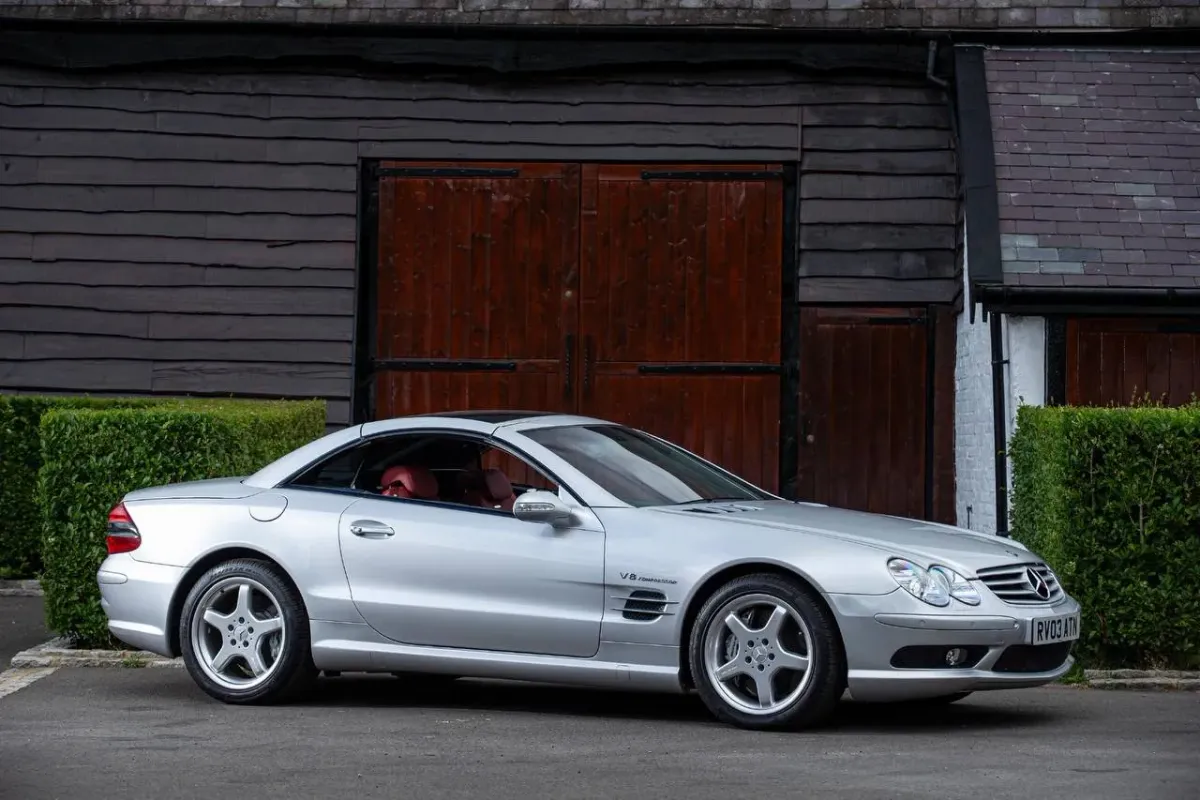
x: 757, y: 653
x: 765, y: 654
x: 244, y: 633
x: 238, y: 632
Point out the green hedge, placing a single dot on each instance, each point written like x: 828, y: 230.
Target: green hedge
x: 1111, y: 498
x: 20, y: 459
x: 92, y: 457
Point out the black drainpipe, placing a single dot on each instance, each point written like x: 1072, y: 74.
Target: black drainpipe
x: 999, y: 424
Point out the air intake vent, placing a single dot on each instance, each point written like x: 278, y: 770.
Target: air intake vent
x: 645, y: 605
x: 725, y: 508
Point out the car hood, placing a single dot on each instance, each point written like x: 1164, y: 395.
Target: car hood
x: 963, y: 550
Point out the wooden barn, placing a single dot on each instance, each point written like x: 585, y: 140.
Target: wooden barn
x: 773, y: 246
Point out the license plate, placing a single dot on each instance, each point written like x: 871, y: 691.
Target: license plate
x: 1048, y: 630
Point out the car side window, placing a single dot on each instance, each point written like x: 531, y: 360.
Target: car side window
x: 337, y: 472
x: 523, y: 476
x: 457, y: 469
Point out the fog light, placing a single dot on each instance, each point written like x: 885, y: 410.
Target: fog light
x: 956, y: 656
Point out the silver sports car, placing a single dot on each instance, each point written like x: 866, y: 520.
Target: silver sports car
x: 564, y: 549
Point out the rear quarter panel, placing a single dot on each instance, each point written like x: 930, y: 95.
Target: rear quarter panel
x: 303, y: 540
x: 677, y: 554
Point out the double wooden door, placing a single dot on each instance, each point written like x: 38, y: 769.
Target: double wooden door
x: 649, y: 295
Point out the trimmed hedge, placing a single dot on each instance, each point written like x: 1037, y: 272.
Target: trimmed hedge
x: 20, y: 459
x: 1111, y: 498
x: 92, y: 457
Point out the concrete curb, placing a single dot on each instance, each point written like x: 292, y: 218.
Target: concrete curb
x: 58, y: 653
x: 1147, y: 684
x: 1143, y: 679
x: 26, y: 588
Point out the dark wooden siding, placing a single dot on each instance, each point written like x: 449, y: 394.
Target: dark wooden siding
x: 878, y: 182
x: 178, y: 232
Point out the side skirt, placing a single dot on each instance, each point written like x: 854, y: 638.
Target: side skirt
x: 351, y: 647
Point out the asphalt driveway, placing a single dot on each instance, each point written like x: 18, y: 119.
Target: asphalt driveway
x: 101, y: 733
x: 22, y: 625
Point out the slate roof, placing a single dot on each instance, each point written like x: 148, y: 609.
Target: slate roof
x: 1097, y: 165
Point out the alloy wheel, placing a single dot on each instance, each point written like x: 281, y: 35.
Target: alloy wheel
x: 238, y: 632
x: 757, y: 653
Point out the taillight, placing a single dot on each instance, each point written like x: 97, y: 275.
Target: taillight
x: 123, y: 535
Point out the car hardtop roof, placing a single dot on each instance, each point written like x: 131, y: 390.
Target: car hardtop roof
x: 501, y: 418
x: 478, y: 421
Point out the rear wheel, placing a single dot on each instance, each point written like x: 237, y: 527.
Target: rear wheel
x: 244, y: 634
x: 765, y: 654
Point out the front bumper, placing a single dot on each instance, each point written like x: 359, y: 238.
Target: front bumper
x: 136, y: 597
x: 894, y: 646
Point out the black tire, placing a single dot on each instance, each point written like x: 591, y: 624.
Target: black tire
x: 294, y: 673
x: 818, y: 700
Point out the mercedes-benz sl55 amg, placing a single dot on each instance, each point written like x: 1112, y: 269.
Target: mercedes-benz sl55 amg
x: 565, y: 549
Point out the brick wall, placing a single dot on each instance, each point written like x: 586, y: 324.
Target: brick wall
x: 1098, y: 165
x: 1024, y: 342
x: 813, y: 14
x: 974, y: 465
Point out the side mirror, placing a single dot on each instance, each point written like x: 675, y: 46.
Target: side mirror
x: 538, y: 505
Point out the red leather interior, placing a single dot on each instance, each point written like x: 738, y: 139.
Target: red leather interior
x: 490, y: 488
x: 411, y: 482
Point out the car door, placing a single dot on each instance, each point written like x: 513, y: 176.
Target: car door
x: 443, y: 575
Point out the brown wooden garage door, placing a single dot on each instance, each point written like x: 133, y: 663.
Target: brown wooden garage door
x: 476, y: 270
x: 1114, y: 361
x: 876, y: 410
x: 644, y: 294
x: 680, y: 307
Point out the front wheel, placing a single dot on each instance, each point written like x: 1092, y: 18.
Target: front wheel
x: 765, y: 653
x: 244, y: 634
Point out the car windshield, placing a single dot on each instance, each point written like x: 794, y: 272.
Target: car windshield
x: 639, y: 469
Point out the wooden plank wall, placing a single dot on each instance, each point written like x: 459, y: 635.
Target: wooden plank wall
x: 878, y: 189
x: 195, y: 233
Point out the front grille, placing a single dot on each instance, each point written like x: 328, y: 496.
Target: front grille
x: 1033, y: 658
x: 1013, y: 583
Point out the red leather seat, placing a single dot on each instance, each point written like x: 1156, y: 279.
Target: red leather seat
x: 490, y: 488
x: 410, y: 482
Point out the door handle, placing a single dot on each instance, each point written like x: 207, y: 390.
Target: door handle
x: 370, y: 529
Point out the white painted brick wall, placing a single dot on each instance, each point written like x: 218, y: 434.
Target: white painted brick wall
x: 975, y: 485
x: 974, y: 441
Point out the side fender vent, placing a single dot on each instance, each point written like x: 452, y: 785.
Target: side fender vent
x: 645, y: 605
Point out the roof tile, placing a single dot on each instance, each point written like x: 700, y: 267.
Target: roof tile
x: 1098, y: 164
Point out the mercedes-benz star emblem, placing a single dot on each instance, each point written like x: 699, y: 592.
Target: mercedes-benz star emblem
x: 1038, y: 584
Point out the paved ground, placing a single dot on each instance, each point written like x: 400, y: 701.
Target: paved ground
x: 21, y: 626
x: 101, y: 733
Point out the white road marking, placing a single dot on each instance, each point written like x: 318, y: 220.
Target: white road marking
x: 14, y: 680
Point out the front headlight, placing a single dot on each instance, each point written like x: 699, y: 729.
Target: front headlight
x: 960, y: 588
x: 935, y: 585
x: 922, y: 584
